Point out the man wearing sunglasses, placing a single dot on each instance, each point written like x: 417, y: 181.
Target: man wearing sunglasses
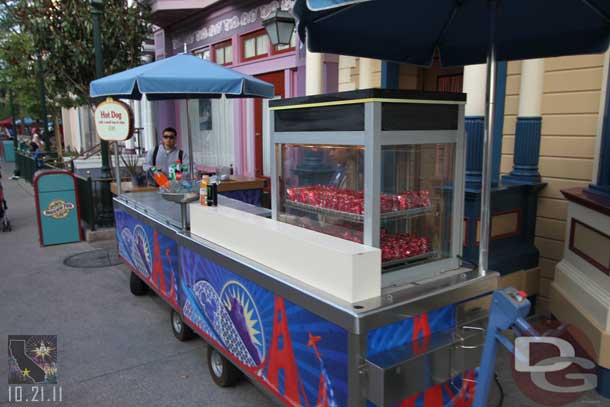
x: 167, y: 154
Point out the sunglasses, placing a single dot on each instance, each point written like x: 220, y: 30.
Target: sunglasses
x: 170, y: 137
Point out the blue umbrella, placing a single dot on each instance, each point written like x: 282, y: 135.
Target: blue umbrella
x: 182, y: 76
x: 411, y: 31
x: 463, y: 32
x: 27, y: 121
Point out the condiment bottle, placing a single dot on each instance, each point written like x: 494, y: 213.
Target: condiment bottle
x: 160, y: 178
x: 203, y: 190
x: 215, y: 194
x: 178, y: 170
x: 212, y: 194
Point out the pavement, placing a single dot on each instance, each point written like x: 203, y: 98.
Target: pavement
x: 115, y: 349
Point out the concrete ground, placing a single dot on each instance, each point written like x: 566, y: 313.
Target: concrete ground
x: 115, y: 349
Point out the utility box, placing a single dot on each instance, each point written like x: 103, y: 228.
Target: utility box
x: 9, y: 151
x: 57, y: 209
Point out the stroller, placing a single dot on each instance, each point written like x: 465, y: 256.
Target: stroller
x: 5, y: 225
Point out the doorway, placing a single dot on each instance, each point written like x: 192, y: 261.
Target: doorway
x: 277, y: 80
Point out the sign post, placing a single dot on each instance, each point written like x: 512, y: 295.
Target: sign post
x: 114, y: 122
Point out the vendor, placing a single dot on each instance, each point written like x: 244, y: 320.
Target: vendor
x: 163, y: 156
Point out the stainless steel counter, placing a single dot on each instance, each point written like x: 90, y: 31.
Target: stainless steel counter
x: 168, y: 213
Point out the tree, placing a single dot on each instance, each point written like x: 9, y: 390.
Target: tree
x: 17, y: 71
x: 63, y: 32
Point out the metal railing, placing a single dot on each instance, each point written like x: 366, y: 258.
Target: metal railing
x: 86, y: 201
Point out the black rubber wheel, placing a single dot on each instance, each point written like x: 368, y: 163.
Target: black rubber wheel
x: 136, y: 285
x: 181, y: 331
x: 223, y: 372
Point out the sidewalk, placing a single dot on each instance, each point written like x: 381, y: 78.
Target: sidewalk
x: 114, y: 349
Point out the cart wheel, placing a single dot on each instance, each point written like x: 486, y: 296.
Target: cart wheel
x: 222, y: 371
x: 136, y: 285
x: 181, y: 331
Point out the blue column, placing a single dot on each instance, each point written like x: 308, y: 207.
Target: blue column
x: 501, y: 74
x: 602, y: 183
x: 475, y: 128
x: 390, y: 75
x: 527, y: 152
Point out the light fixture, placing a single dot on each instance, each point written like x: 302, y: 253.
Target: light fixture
x: 280, y: 27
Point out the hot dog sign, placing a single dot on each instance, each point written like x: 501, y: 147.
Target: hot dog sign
x: 113, y: 120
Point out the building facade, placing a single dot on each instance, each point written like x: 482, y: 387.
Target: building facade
x: 230, y: 33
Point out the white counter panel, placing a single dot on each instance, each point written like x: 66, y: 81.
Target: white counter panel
x: 347, y: 270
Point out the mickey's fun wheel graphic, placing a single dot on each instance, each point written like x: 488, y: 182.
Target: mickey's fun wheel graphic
x: 246, y: 317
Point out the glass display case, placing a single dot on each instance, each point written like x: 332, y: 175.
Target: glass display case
x: 380, y: 167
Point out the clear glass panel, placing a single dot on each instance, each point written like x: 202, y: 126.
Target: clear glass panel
x: 322, y: 188
x: 206, y: 55
x: 416, y: 203
x: 262, y: 43
x: 220, y: 56
x: 249, y: 48
x: 229, y: 54
x: 293, y: 43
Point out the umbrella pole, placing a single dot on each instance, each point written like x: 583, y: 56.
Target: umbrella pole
x: 190, y: 141
x: 486, y: 175
x: 487, y: 368
x: 117, y: 173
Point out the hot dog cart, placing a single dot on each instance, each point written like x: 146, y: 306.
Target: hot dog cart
x: 351, y: 290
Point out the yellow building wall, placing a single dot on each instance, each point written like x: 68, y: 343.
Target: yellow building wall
x: 349, y: 73
x: 570, y: 109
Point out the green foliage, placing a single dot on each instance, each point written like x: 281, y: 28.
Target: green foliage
x: 18, y: 73
x: 63, y: 31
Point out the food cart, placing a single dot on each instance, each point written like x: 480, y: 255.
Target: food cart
x: 351, y: 291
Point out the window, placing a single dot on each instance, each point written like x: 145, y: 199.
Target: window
x: 449, y: 83
x: 203, y: 54
x: 278, y: 49
x: 211, y: 124
x: 223, y: 53
x: 255, y: 45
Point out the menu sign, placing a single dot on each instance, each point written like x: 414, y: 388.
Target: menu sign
x: 113, y: 120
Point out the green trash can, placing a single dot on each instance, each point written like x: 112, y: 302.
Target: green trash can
x: 57, y: 207
x: 9, y: 151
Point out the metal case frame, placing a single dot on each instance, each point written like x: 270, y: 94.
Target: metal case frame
x: 372, y: 138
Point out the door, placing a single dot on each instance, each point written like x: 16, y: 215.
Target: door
x: 277, y: 80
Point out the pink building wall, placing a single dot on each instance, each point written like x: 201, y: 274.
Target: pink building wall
x: 292, y: 63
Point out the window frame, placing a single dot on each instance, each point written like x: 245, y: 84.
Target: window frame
x: 254, y: 34
x: 223, y: 45
x: 199, y: 53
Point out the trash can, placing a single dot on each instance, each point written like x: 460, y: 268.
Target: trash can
x: 57, y: 207
x: 9, y: 151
